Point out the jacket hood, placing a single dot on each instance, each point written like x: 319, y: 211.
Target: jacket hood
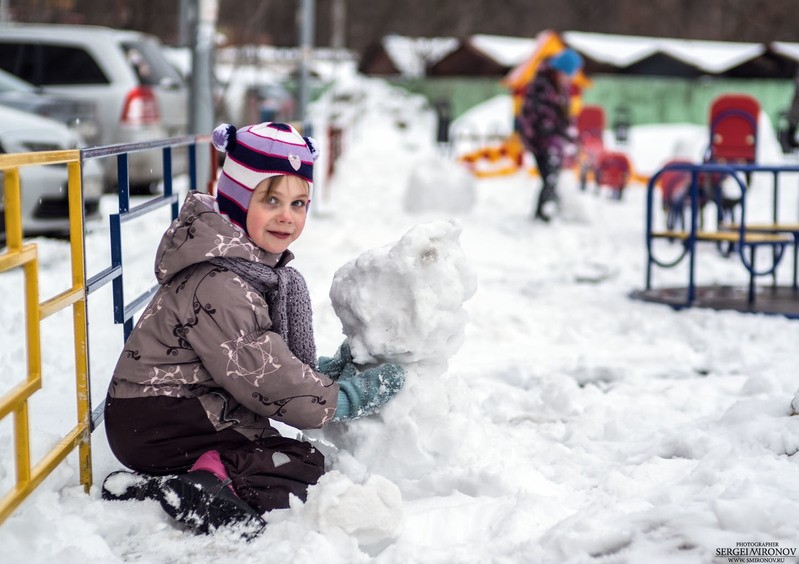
x: 199, y: 234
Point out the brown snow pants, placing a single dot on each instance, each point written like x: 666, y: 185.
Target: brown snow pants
x: 162, y: 435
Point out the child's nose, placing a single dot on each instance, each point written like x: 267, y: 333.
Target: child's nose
x: 284, y: 214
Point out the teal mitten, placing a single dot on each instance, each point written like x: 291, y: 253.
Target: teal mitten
x: 333, y: 366
x: 363, y: 393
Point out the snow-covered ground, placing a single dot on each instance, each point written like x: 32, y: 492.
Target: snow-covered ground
x: 573, y: 424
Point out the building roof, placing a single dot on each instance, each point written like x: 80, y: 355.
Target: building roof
x: 790, y: 50
x: 711, y: 57
x: 507, y: 51
x: 483, y: 54
x: 406, y: 56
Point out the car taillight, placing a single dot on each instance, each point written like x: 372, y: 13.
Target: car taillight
x: 141, y: 107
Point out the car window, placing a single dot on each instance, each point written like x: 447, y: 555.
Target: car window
x: 17, y: 58
x: 45, y: 65
x: 69, y: 65
x: 149, y: 63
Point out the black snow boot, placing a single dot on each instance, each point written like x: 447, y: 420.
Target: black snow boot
x: 203, y: 503
x: 124, y: 485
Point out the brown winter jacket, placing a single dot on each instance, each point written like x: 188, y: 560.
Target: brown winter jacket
x: 205, y: 335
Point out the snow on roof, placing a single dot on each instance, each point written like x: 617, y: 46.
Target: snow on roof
x: 507, y: 51
x: 617, y: 50
x: 412, y: 55
x: 784, y: 48
x: 711, y: 56
x: 624, y: 50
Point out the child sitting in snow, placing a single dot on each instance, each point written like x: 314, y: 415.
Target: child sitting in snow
x: 227, y: 344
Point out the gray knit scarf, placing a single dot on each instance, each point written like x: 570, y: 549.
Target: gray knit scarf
x: 286, y: 294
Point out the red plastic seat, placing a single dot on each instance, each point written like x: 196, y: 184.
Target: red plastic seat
x: 590, y: 126
x: 613, y: 170
x: 733, y: 128
x: 674, y: 183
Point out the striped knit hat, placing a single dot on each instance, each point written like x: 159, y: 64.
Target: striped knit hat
x: 254, y: 153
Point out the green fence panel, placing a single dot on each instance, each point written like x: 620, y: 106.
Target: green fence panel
x: 674, y: 100
x: 651, y: 99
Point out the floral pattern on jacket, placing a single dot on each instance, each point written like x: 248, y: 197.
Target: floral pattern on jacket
x: 206, y: 334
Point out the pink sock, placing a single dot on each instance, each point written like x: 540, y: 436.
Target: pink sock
x: 211, y: 462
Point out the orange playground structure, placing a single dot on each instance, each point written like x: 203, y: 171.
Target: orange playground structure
x: 508, y: 155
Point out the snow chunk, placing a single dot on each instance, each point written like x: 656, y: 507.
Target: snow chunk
x: 119, y: 483
x: 370, y: 512
x: 403, y: 303
x: 279, y: 459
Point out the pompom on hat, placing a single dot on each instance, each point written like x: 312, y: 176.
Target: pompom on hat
x: 567, y: 61
x: 253, y: 154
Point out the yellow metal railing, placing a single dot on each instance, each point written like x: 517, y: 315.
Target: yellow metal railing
x: 19, y: 255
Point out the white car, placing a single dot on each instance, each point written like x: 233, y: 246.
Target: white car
x: 138, y: 95
x: 45, y: 208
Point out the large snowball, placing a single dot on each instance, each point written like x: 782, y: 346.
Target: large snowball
x: 403, y: 303
x: 369, y: 512
x: 438, y: 184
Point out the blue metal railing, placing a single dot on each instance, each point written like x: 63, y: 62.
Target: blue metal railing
x: 692, y: 199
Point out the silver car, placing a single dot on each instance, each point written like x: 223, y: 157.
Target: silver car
x: 45, y: 208
x: 138, y: 95
x: 79, y: 115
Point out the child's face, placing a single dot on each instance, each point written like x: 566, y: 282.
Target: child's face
x: 276, y: 216
x: 564, y: 79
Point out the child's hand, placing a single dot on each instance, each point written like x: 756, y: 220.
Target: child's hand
x: 572, y: 134
x: 363, y: 393
x: 332, y: 366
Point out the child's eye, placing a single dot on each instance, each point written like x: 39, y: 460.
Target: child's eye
x: 271, y: 200
x: 298, y: 203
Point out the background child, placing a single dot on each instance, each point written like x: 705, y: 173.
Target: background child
x: 544, y: 121
x: 226, y: 344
